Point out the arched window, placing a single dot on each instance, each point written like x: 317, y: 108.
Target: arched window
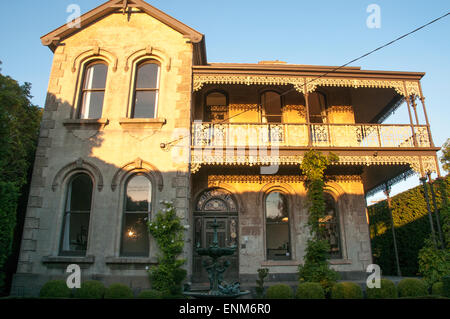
x: 330, y: 224
x: 137, y: 208
x: 278, y: 243
x: 146, y: 90
x: 93, y: 90
x: 216, y: 107
x: 271, y: 107
x: 77, y: 214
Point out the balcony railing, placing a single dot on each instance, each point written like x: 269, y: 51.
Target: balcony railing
x: 296, y: 135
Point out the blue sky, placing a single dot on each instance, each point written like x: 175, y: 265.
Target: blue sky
x: 320, y: 32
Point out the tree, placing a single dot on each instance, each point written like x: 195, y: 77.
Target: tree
x: 19, y: 130
x: 445, y: 158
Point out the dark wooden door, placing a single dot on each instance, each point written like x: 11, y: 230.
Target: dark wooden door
x: 227, y: 235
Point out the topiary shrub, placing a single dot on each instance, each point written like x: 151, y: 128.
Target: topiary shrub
x: 346, y: 290
x: 387, y: 290
x: 412, y: 287
x: 92, y: 289
x: 438, y: 289
x: 280, y: 291
x: 446, y: 286
x: 310, y: 290
x: 55, y: 289
x: 118, y: 291
x: 150, y: 294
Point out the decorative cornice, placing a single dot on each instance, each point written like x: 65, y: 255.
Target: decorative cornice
x: 299, y: 82
x: 428, y: 162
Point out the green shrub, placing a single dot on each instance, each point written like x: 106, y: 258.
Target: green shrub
x: 310, y: 290
x: 387, y: 290
x: 55, y: 289
x: 262, y: 274
x: 446, y: 286
x: 150, y: 294
x: 118, y: 291
x: 92, y: 289
x: 434, y: 263
x: 412, y: 287
x: 346, y: 290
x: 438, y: 288
x: 280, y: 291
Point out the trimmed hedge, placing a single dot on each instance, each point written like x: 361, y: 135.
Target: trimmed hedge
x: 346, y: 290
x: 412, y: 287
x: 150, y: 294
x: 446, y: 286
x: 92, y: 289
x: 438, y: 288
x: 412, y: 227
x: 55, y: 289
x: 118, y: 291
x: 310, y: 290
x: 280, y: 291
x: 387, y: 290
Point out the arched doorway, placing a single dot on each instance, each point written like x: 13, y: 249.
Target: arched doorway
x: 219, y: 204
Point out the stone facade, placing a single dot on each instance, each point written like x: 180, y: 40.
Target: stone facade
x: 116, y: 146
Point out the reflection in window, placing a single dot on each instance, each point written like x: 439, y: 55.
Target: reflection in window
x: 277, y: 227
x: 137, y: 211
x: 330, y: 226
x: 76, y: 217
x: 93, y: 91
x: 146, y: 91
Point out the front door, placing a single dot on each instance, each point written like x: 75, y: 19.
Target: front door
x: 215, y: 204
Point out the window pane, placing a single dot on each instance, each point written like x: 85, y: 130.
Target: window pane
x: 138, y: 194
x: 330, y: 226
x: 92, y: 105
x: 80, y: 193
x: 135, y: 235
x: 144, y: 105
x: 95, y: 77
x: 277, y: 227
x: 76, y: 232
x: 147, y: 76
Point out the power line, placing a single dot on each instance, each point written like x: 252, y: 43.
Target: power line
x: 340, y: 67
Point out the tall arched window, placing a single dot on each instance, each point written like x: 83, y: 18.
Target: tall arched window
x: 278, y: 243
x: 317, y: 107
x: 93, y: 90
x: 137, y: 208
x: 216, y: 107
x: 146, y: 90
x: 76, y: 217
x: 330, y: 224
x: 271, y: 107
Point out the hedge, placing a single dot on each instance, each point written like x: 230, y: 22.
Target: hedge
x: 310, y: 290
x: 118, y: 291
x: 412, y: 287
x: 92, y: 289
x: 387, y: 290
x: 55, y: 289
x: 412, y: 227
x: 150, y: 294
x: 280, y: 291
x: 346, y: 290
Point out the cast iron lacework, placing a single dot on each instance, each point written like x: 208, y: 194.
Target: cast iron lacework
x: 216, y: 199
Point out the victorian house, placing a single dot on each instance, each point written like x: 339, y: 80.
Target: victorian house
x: 135, y: 114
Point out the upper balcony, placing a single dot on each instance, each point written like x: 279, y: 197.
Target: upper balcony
x: 361, y: 136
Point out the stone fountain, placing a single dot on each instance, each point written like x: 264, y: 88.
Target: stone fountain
x: 218, y: 289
